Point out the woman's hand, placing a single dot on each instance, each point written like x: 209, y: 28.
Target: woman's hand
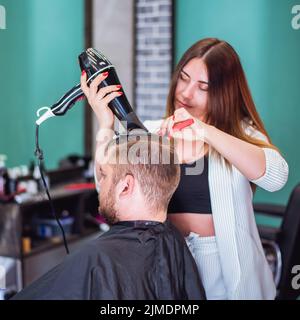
x: 172, y: 126
x: 99, y: 99
x: 189, y: 140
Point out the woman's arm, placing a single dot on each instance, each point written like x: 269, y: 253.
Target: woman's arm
x: 98, y: 99
x: 262, y: 166
x: 247, y: 158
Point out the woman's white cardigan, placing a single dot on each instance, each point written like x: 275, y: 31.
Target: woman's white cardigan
x: 245, y: 269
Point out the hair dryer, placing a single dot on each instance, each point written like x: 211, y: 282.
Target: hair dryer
x: 95, y: 63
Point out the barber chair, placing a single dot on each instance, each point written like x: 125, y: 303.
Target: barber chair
x: 282, y: 245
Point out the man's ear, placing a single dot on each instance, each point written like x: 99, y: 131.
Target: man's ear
x: 125, y: 186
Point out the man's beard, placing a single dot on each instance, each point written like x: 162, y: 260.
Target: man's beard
x: 107, y: 206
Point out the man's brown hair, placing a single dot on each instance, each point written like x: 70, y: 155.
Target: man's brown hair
x: 152, y: 161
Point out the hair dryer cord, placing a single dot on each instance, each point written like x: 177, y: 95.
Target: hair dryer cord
x: 40, y: 158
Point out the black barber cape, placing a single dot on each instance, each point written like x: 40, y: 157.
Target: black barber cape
x: 133, y: 260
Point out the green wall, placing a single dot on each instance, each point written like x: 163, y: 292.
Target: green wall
x: 38, y: 63
x: 269, y: 48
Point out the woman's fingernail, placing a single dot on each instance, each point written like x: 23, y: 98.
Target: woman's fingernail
x: 119, y: 86
x: 105, y: 74
x: 83, y: 73
x: 80, y: 98
x: 120, y: 93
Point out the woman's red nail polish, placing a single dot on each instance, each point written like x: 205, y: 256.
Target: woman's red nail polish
x: 119, y: 86
x: 80, y: 98
x: 120, y: 93
x: 83, y: 72
x: 105, y: 74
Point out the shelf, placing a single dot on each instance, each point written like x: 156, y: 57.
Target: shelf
x: 18, y: 219
x: 56, y: 194
x: 49, y: 244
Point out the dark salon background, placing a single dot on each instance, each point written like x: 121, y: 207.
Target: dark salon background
x: 144, y: 39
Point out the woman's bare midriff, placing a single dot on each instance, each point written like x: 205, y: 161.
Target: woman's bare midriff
x: 199, y: 223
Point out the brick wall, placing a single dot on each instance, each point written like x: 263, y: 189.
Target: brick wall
x: 153, y: 56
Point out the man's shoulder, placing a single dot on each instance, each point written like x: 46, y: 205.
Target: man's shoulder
x: 89, y: 251
x: 172, y: 229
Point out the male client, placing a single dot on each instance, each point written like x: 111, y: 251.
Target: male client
x: 142, y: 256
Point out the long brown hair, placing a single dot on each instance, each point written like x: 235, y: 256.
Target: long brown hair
x: 230, y: 103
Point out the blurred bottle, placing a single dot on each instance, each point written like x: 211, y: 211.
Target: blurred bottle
x: 4, y: 177
x: 14, y: 174
x: 37, y: 177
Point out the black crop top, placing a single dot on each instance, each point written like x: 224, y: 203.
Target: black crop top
x: 192, y: 194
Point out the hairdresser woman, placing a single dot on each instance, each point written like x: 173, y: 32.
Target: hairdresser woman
x: 214, y: 209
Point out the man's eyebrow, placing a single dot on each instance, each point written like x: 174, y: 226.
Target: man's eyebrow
x: 200, y: 81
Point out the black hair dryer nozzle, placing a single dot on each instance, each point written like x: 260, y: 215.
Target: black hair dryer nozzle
x: 94, y: 63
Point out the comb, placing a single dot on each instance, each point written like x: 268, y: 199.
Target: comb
x: 182, y: 124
